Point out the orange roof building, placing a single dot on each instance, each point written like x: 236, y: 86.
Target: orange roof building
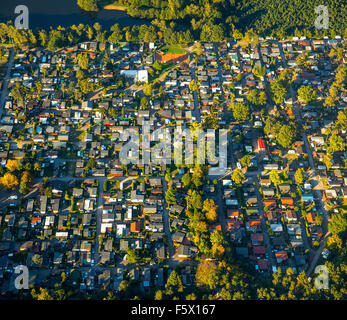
x: 233, y: 213
x: 310, y: 217
x: 135, y: 227
x: 287, y: 201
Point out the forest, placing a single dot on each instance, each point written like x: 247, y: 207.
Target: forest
x: 215, y: 20
x: 182, y: 22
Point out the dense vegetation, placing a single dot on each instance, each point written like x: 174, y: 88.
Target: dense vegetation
x: 213, y: 20
x: 180, y: 21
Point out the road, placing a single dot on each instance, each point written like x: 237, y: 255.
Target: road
x: 4, y: 91
x: 225, y: 107
x: 267, y: 241
x: 317, y: 254
x: 99, y: 219
x: 195, y: 93
x: 172, y: 261
x: 318, y: 195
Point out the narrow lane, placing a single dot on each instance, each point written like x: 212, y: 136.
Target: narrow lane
x: 4, y: 91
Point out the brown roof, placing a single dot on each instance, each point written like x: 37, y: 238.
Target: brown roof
x: 259, y: 250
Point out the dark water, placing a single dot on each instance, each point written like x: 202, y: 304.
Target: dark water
x: 52, y: 13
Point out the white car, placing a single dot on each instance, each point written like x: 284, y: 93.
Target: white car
x: 14, y: 197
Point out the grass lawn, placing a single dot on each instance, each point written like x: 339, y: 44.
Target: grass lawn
x: 171, y: 49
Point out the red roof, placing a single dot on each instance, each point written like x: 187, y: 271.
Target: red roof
x: 135, y: 227
x: 261, y: 144
x: 257, y: 237
x: 259, y: 250
x: 262, y: 264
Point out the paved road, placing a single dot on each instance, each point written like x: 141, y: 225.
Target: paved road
x: 317, y: 254
x: 195, y: 94
x: 99, y: 219
x: 4, y: 91
x: 221, y: 210
x: 225, y: 108
x: 172, y: 261
x: 317, y: 192
x: 264, y: 227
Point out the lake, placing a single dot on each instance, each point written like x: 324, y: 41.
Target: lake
x: 52, y: 13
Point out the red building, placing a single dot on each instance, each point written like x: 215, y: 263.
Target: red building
x: 261, y: 144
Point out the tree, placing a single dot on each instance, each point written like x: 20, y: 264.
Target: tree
x: 306, y: 94
x: 144, y: 103
x: 334, y: 241
x: 301, y: 59
x: 91, y: 164
x: 194, y: 200
x: 198, y: 49
x: 251, y: 38
x: 43, y: 295
x: 211, y: 32
x: 89, y: 32
x: 88, y: 5
x: 217, y: 251
x: 198, y: 176
x: 341, y: 122
x: 329, y: 101
x: 116, y: 34
x: 12, y: 165
x: 168, y: 176
x: 206, y: 275
x: 173, y: 284
x: 210, y: 210
x: 147, y: 89
x: 186, y: 179
x: 124, y: 286
x: 278, y: 91
x: 170, y: 196
x: 272, y: 127
x: 259, y: 71
x: 262, y: 98
x: 252, y: 96
x: 216, y: 237
x: 299, y: 176
x: 25, y: 182
x: 132, y: 256
x: 19, y: 92
x: 48, y: 192
x: 335, y: 143
x: 158, y: 295
x: 86, y: 86
x: 37, y: 166
x: 217, y: 242
x: 275, y: 177
x: 9, y: 181
x: 237, y: 177
x: 37, y: 259
x: 191, y: 296
x: 338, y: 223
x: 82, y: 60
x: 327, y: 160
x: 245, y: 161
x: 286, y: 135
x: 200, y: 226
x: 241, y: 111
x: 193, y: 85
x: 39, y: 87
x: 43, y: 37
